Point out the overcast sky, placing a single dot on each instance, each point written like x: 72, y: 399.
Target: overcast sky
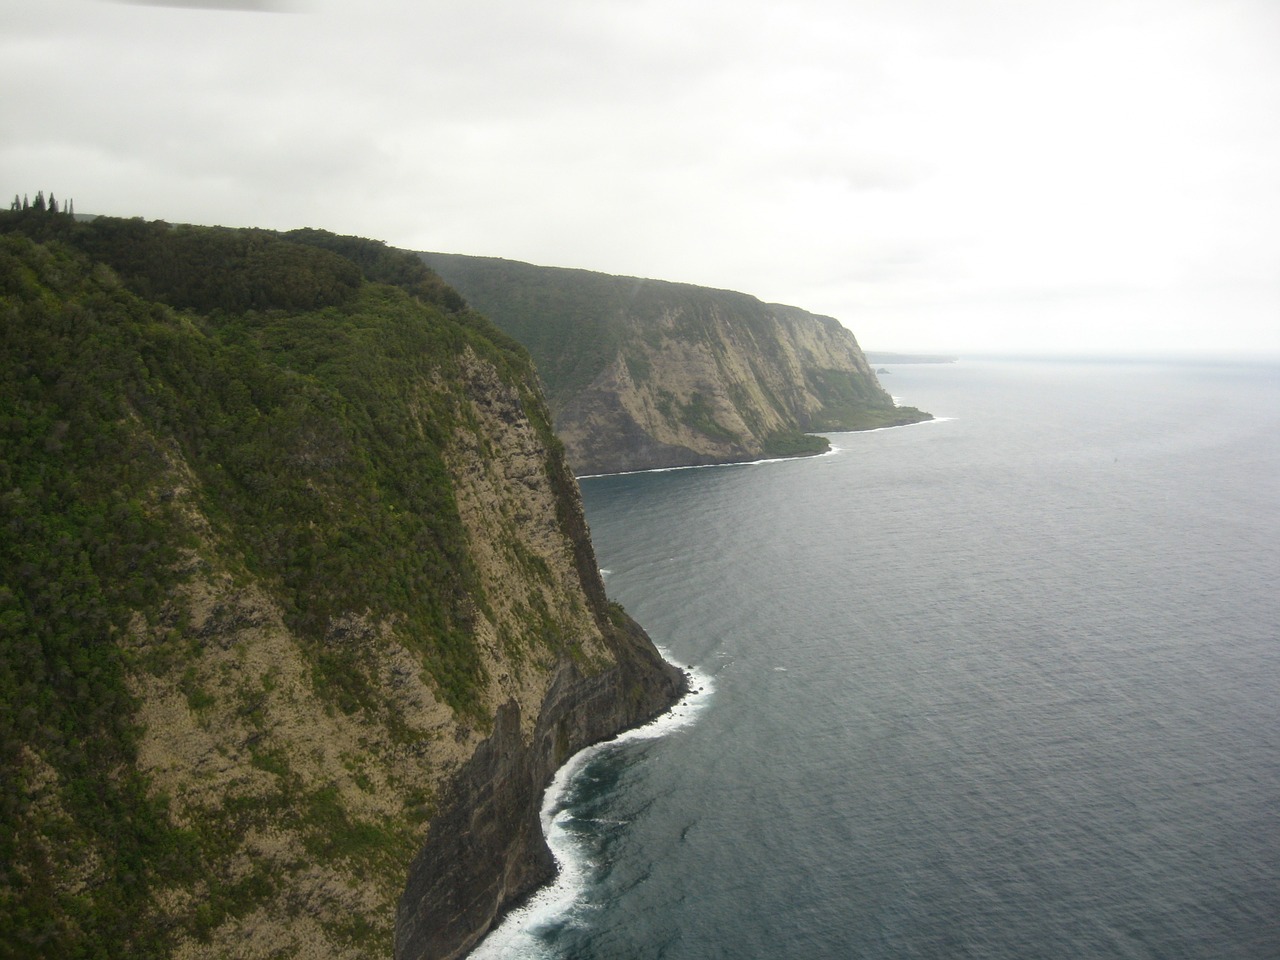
x: 952, y: 175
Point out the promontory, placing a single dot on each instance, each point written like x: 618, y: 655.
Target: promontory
x: 642, y: 374
x: 298, y: 607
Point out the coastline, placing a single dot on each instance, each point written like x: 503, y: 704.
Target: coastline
x: 510, y: 935
x: 928, y: 418
x: 485, y: 853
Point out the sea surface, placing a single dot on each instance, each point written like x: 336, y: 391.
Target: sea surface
x: 1002, y: 685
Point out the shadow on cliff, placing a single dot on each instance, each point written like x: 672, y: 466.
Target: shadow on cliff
x: 485, y: 851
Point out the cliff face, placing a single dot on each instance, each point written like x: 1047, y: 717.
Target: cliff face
x: 643, y: 373
x: 299, y: 609
x: 485, y: 848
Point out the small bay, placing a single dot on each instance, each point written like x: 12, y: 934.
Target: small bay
x: 1002, y: 685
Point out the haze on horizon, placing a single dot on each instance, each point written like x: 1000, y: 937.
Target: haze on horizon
x: 968, y: 176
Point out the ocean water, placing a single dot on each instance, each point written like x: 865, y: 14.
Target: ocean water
x: 1003, y: 685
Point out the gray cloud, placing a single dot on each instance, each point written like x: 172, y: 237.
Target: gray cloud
x: 239, y: 6
x: 930, y: 172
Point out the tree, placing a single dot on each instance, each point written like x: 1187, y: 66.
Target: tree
x: 39, y: 204
x: 17, y: 203
x: 53, y: 203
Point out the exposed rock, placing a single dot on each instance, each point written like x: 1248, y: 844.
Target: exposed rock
x: 643, y: 373
x: 486, y: 850
x: 300, y: 606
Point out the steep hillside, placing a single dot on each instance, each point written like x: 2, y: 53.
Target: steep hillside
x: 645, y: 373
x: 292, y: 562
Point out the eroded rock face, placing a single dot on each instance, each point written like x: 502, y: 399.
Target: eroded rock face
x: 485, y: 850
x: 644, y: 374
x: 242, y: 724
x: 306, y: 613
x: 234, y: 719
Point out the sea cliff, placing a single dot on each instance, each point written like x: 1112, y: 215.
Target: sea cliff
x: 485, y: 850
x: 642, y: 374
x: 299, y: 607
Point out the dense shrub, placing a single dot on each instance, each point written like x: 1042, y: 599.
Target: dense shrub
x: 312, y: 407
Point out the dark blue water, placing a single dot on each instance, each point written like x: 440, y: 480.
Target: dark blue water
x: 1005, y: 685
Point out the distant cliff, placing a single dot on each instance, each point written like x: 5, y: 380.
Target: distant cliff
x: 645, y: 373
x: 298, y: 608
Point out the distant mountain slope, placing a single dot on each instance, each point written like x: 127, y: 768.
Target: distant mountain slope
x: 645, y: 373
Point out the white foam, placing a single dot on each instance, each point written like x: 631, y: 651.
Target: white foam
x: 516, y: 938
x: 870, y: 430
x: 707, y: 466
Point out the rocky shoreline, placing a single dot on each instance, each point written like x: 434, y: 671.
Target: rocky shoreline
x: 485, y: 851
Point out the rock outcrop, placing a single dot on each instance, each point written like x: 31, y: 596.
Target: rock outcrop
x: 643, y: 373
x: 485, y: 849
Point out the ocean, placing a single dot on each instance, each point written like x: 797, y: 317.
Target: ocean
x: 1001, y: 685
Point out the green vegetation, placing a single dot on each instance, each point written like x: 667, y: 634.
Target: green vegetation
x: 299, y: 392
x: 848, y: 404
x: 873, y: 418
x: 82, y: 549
x: 698, y: 414
x: 789, y: 444
x: 40, y: 205
x: 179, y: 403
x: 572, y: 322
x: 686, y: 349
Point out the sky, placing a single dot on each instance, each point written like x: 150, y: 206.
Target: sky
x: 959, y: 176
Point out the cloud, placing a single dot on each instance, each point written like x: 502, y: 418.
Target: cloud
x: 239, y: 6
x: 913, y: 168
